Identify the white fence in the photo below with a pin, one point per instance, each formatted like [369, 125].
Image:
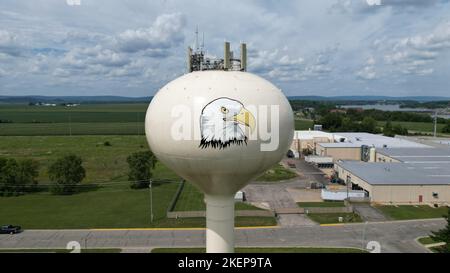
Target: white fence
[341, 194]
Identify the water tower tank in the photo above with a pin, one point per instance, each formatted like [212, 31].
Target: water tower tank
[219, 130]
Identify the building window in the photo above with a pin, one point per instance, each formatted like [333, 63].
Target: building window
[435, 195]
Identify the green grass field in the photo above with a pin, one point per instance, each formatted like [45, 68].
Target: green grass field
[191, 199]
[303, 124]
[109, 207]
[113, 204]
[332, 218]
[415, 126]
[277, 173]
[427, 241]
[102, 163]
[407, 212]
[326, 204]
[88, 119]
[266, 250]
[71, 129]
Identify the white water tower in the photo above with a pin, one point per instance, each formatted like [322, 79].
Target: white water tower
[210, 127]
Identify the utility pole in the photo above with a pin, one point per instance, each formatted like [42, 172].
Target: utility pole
[137, 122]
[435, 123]
[151, 201]
[347, 184]
[70, 123]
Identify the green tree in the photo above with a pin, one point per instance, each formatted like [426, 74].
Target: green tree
[369, 125]
[17, 176]
[446, 128]
[387, 130]
[140, 166]
[8, 176]
[66, 173]
[400, 130]
[331, 121]
[443, 235]
[28, 172]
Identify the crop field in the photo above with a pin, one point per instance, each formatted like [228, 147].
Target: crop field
[89, 119]
[85, 119]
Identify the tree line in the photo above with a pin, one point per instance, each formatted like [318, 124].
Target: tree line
[66, 173]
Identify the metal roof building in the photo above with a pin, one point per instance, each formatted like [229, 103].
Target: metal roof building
[398, 173]
[414, 155]
[377, 141]
[398, 183]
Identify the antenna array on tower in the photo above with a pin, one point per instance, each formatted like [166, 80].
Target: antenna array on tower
[197, 60]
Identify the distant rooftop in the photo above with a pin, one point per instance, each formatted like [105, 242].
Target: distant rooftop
[377, 141]
[340, 145]
[418, 155]
[311, 134]
[377, 173]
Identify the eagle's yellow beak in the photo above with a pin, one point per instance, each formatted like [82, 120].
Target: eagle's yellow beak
[246, 118]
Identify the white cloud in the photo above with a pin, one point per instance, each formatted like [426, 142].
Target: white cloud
[2, 73]
[109, 46]
[9, 43]
[164, 33]
[412, 55]
[368, 71]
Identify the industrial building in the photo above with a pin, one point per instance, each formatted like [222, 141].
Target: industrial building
[398, 183]
[345, 146]
[389, 170]
[414, 155]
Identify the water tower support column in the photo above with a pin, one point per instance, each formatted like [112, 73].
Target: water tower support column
[219, 224]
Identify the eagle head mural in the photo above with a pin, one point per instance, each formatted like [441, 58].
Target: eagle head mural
[222, 122]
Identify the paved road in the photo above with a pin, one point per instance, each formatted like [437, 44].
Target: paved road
[368, 212]
[276, 196]
[393, 236]
[310, 172]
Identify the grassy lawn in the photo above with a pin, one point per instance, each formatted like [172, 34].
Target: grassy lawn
[109, 207]
[303, 124]
[191, 199]
[427, 241]
[113, 204]
[277, 173]
[73, 128]
[326, 204]
[332, 218]
[265, 250]
[415, 126]
[43, 250]
[102, 163]
[406, 212]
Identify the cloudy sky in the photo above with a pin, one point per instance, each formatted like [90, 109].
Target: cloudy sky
[308, 47]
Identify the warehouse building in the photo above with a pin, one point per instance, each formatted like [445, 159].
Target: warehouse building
[356, 146]
[307, 140]
[414, 155]
[398, 183]
[344, 145]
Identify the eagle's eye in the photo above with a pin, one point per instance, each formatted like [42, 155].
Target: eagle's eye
[224, 110]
